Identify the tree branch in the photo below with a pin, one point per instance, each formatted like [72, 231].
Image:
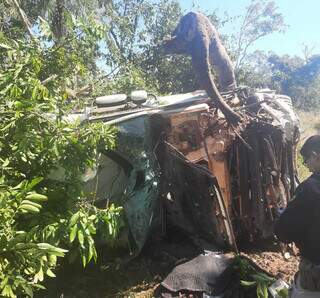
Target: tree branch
[23, 17]
[114, 37]
[249, 43]
[49, 79]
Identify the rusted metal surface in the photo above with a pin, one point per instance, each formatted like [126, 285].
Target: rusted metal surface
[201, 214]
[254, 166]
[190, 134]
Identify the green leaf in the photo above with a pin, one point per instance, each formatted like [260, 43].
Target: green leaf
[47, 246]
[259, 291]
[38, 286]
[23, 246]
[35, 92]
[248, 283]
[37, 197]
[7, 291]
[52, 249]
[84, 260]
[52, 260]
[4, 46]
[6, 163]
[80, 237]
[50, 273]
[262, 277]
[265, 291]
[90, 251]
[73, 233]
[74, 219]
[27, 202]
[111, 229]
[29, 208]
[39, 275]
[17, 72]
[19, 186]
[4, 281]
[34, 182]
[95, 255]
[27, 290]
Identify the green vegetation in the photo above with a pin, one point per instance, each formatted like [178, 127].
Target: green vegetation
[250, 277]
[42, 218]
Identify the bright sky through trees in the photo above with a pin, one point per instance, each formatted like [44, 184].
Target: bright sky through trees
[302, 17]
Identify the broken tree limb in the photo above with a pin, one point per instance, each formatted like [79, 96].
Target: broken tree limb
[49, 79]
[23, 18]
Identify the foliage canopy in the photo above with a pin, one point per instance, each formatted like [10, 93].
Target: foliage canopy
[39, 214]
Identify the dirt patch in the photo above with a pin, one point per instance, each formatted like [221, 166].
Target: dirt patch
[276, 264]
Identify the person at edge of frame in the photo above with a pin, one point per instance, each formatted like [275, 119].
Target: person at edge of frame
[300, 223]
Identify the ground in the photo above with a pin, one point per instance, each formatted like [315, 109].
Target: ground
[141, 276]
[276, 264]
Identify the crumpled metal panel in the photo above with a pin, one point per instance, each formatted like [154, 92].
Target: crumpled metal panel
[191, 198]
[142, 190]
[128, 178]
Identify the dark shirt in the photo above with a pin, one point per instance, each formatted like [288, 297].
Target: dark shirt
[300, 222]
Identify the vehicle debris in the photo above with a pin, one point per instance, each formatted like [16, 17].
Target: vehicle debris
[166, 147]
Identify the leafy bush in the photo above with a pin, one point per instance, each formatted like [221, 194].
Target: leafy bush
[42, 219]
[250, 276]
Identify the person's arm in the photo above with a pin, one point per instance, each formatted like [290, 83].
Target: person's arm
[295, 220]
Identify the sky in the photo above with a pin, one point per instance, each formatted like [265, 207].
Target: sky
[302, 17]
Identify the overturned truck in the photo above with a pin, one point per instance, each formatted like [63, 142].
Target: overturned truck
[216, 164]
[179, 163]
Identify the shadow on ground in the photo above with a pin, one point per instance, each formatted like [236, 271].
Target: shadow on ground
[113, 277]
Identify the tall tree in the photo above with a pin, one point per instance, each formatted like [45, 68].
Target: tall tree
[260, 19]
[298, 78]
